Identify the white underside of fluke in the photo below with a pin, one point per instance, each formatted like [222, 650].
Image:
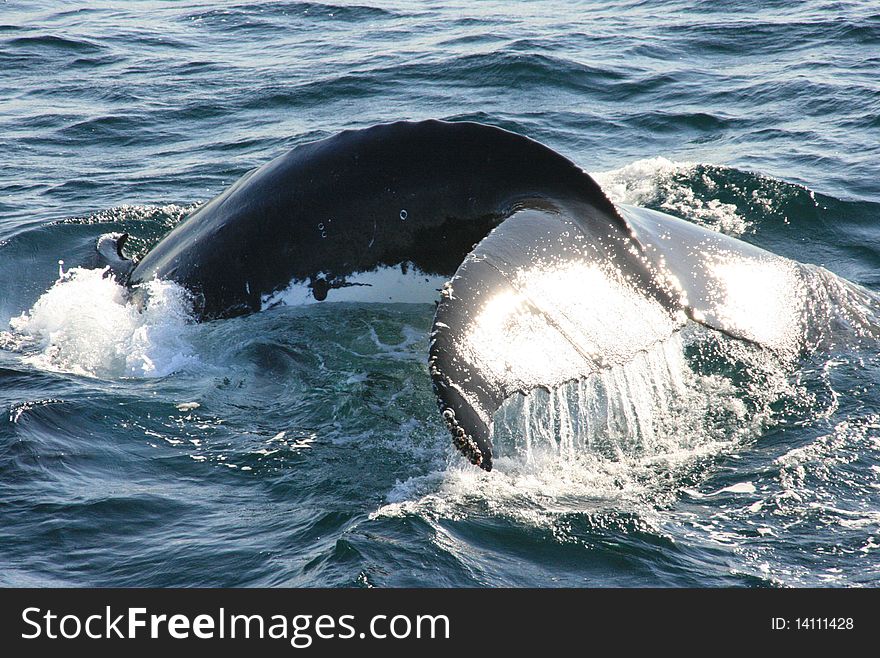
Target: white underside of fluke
[382, 285]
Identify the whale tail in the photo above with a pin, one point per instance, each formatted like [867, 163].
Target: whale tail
[559, 292]
[109, 248]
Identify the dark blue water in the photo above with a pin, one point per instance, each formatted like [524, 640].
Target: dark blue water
[302, 446]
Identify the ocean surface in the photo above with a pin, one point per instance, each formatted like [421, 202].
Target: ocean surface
[302, 446]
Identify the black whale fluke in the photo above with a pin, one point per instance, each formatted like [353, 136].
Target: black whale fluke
[417, 193]
[549, 282]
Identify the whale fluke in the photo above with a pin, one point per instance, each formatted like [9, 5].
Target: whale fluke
[415, 194]
[558, 293]
[550, 281]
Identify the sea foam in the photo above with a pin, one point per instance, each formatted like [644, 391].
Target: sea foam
[87, 324]
[667, 185]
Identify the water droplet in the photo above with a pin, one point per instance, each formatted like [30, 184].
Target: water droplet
[403, 215]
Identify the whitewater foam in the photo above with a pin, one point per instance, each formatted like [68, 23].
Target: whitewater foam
[86, 324]
[665, 184]
[168, 215]
[626, 439]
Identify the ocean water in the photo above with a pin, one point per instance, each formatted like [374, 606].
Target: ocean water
[302, 446]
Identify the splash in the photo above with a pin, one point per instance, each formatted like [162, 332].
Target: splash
[652, 406]
[86, 324]
[668, 186]
[626, 439]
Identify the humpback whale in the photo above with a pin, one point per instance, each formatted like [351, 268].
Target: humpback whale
[546, 280]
